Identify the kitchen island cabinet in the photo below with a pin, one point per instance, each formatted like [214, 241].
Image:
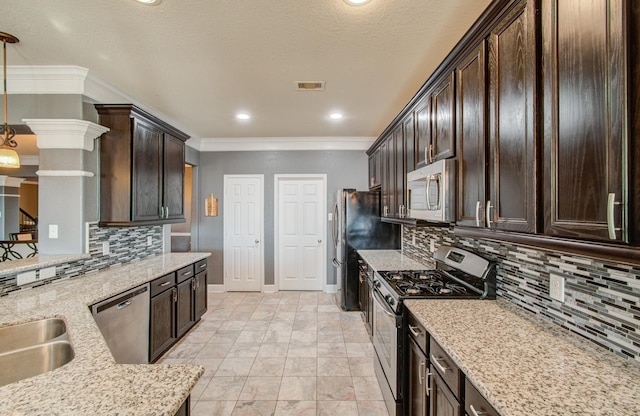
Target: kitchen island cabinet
[525, 366]
[93, 383]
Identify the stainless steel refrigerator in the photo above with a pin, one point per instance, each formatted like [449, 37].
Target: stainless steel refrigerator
[357, 226]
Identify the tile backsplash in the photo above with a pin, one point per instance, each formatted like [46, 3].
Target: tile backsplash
[125, 245]
[602, 299]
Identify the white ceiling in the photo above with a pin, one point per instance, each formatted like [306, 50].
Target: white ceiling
[199, 62]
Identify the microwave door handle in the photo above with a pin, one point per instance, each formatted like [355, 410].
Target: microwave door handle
[429, 180]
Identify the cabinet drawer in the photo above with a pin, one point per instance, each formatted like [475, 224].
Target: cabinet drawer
[185, 273]
[418, 333]
[445, 366]
[163, 283]
[201, 266]
[473, 398]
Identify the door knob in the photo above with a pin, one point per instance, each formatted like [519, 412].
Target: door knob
[319, 241]
[257, 241]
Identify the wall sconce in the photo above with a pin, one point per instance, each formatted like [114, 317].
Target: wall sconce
[211, 206]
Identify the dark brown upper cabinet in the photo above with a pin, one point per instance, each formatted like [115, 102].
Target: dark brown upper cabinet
[141, 168]
[410, 154]
[513, 143]
[584, 52]
[470, 116]
[443, 120]
[375, 166]
[422, 117]
[384, 174]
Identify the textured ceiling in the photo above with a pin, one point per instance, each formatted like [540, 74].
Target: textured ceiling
[201, 61]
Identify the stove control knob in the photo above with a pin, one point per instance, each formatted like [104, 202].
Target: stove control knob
[389, 300]
[376, 283]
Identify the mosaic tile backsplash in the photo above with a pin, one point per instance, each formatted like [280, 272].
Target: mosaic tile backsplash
[602, 300]
[125, 245]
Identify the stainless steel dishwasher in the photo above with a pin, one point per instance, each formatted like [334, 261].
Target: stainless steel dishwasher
[124, 323]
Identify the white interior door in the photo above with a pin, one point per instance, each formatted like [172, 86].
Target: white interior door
[243, 229]
[300, 232]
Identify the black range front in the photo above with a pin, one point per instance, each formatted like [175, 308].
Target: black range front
[459, 274]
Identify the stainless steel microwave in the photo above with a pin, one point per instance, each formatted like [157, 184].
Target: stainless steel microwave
[431, 192]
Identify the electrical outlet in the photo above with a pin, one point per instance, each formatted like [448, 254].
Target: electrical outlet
[26, 278]
[48, 272]
[105, 247]
[149, 241]
[413, 238]
[432, 246]
[556, 287]
[53, 231]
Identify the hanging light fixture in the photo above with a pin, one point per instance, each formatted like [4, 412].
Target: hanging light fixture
[8, 156]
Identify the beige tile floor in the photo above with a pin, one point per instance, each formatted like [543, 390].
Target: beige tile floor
[285, 353]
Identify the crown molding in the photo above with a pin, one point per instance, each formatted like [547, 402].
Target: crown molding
[280, 143]
[71, 79]
[65, 133]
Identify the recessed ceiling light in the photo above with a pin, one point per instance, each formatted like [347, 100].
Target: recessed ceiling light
[335, 116]
[150, 2]
[356, 2]
[243, 116]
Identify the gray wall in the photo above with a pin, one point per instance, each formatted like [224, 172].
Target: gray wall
[46, 106]
[344, 169]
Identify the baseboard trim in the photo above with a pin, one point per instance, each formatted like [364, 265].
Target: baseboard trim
[331, 289]
[215, 288]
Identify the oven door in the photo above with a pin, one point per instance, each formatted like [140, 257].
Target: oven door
[385, 340]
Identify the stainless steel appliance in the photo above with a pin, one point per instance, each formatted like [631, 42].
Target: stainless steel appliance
[431, 191]
[459, 274]
[124, 323]
[357, 226]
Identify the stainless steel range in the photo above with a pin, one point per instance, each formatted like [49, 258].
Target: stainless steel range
[459, 274]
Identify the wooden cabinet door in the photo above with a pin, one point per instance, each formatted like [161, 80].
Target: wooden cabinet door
[200, 295]
[372, 171]
[410, 155]
[417, 381]
[399, 171]
[443, 402]
[422, 116]
[162, 323]
[146, 171]
[384, 174]
[513, 144]
[185, 307]
[470, 115]
[584, 46]
[443, 119]
[173, 185]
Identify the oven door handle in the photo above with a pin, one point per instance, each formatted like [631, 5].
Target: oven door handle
[383, 305]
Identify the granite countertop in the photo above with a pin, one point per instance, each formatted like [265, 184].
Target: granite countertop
[92, 383]
[386, 260]
[524, 365]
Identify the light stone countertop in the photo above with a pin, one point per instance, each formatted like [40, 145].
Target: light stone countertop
[389, 260]
[526, 366]
[92, 383]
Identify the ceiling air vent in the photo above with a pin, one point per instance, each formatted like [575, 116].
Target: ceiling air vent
[310, 85]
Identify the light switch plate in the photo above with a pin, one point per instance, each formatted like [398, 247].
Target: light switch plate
[48, 272]
[432, 246]
[26, 278]
[105, 248]
[53, 231]
[556, 287]
[149, 241]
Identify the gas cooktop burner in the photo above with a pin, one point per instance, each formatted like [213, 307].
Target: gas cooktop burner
[431, 287]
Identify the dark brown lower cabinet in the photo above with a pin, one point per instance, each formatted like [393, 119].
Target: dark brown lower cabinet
[200, 295]
[185, 318]
[418, 382]
[185, 409]
[443, 401]
[162, 322]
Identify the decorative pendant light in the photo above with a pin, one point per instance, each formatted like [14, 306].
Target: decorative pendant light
[8, 156]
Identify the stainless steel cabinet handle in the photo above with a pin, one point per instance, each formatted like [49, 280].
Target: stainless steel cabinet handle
[611, 203]
[436, 362]
[488, 214]
[167, 283]
[124, 304]
[421, 371]
[427, 385]
[415, 331]
[474, 412]
[167, 212]
[186, 274]
[477, 213]
[202, 266]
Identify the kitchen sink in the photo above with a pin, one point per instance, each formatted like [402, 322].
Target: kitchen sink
[31, 361]
[33, 348]
[30, 333]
